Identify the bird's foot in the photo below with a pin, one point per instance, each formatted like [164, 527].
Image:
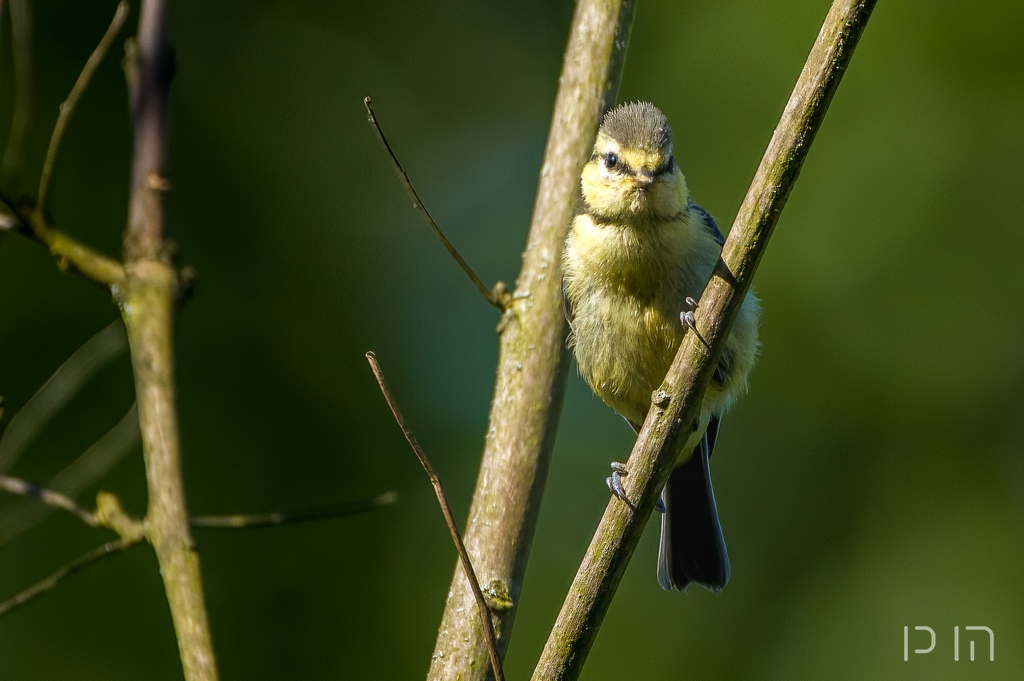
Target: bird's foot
[614, 482]
[689, 321]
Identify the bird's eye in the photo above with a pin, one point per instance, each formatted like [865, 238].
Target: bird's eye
[610, 161]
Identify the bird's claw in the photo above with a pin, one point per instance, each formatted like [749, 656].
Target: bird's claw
[614, 482]
[690, 322]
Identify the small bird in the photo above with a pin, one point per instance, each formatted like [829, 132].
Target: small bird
[637, 255]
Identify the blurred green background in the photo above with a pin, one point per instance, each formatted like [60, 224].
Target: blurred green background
[871, 480]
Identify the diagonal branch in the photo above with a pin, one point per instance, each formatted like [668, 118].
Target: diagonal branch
[449, 519]
[108, 513]
[46, 496]
[70, 253]
[497, 297]
[41, 587]
[533, 362]
[669, 423]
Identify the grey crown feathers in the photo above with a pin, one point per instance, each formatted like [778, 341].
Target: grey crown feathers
[638, 125]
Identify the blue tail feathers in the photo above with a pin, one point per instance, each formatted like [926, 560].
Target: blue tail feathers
[692, 546]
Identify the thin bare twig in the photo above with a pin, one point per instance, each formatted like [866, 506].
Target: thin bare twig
[497, 297]
[55, 499]
[435, 481]
[293, 517]
[47, 496]
[68, 107]
[674, 421]
[30, 220]
[83, 472]
[108, 513]
[21, 118]
[108, 549]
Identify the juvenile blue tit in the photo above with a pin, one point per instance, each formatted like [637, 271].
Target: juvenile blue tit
[638, 252]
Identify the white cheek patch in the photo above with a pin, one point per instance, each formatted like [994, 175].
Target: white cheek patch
[611, 174]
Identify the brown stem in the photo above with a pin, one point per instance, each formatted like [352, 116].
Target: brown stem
[449, 519]
[653, 455]
[497, 297]
[147, 306]
[533, 361]
[149, 71]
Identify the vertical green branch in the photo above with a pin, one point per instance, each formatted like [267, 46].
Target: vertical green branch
[146, 297]
[533, 362]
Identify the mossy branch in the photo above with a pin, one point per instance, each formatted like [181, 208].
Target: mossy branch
[533, 361]
[651, 461]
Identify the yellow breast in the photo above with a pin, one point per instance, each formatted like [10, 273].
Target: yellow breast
[626, 286]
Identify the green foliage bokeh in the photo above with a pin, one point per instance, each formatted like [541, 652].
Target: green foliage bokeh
[871, 480]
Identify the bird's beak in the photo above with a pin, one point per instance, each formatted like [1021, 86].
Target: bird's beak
[644, 180]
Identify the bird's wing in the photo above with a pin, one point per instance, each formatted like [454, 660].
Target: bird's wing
[579, 209]
[709, 223]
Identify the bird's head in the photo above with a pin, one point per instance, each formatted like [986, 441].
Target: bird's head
[632, 173]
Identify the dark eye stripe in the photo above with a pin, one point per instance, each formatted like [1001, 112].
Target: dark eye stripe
[619, 166]
[667, 167]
